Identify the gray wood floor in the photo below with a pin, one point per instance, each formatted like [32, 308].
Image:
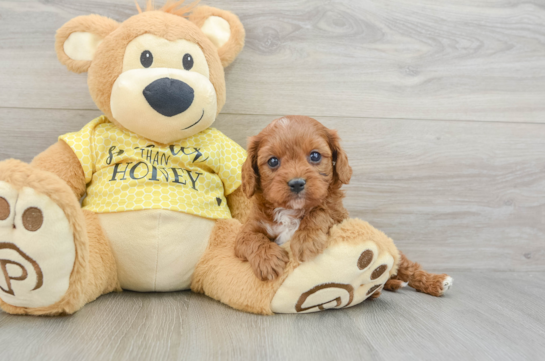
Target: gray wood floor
[490, 315]
[441, 107]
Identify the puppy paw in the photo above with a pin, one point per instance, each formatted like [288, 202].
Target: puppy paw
[305, 247]
[269, 261]
[432, 284]
[447, 284]
[394, 285]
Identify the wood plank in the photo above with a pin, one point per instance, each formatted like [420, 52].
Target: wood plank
[489, 315]
[425, 59]
[453, 195]
[24, 133]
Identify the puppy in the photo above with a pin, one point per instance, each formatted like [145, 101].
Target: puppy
[294, 172]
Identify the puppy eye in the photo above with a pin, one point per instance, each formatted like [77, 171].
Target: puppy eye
[187, 61]
[273, 162]
[315, 157]
[146, 58]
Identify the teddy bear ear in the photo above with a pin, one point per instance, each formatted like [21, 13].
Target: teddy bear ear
[77, 40]
[224, 30]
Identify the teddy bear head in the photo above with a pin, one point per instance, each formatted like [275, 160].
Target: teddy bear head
[158, 74]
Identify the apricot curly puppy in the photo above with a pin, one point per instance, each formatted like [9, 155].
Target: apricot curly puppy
[294, 171]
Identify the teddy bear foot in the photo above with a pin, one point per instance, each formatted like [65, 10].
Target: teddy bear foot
[354, 267]
[43, 243]
[37, 250]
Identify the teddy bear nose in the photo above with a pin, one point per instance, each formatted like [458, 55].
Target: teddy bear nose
[297, 185]
[169, 97]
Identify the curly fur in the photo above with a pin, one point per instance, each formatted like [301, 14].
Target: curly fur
[411, 273]
[279, 214]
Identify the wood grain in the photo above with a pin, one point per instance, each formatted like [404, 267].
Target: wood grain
[406, 59]
[453, 195]
[490, 315]
[439, 104]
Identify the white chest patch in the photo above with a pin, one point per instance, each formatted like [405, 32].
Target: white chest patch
[286, 223]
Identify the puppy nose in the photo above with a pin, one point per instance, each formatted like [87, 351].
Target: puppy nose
[297, 185]
[169, 97]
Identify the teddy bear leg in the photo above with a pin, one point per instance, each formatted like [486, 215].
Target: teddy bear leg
[411, 273]
[357, 262]
[102, 269]
[224, 277]
[54, 257]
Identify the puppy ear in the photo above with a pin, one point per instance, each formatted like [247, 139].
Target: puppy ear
[78, 39]
[224, 30]
[250, 171]
[341, 169]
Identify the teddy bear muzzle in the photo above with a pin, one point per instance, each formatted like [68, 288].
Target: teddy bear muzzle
[163, 104]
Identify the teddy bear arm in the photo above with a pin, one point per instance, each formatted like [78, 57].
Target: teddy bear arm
[239, 205]
[60, 160]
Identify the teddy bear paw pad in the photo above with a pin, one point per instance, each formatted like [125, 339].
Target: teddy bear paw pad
[344, 275]
[37, 250]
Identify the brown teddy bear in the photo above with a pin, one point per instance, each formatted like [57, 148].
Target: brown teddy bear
[161, 185]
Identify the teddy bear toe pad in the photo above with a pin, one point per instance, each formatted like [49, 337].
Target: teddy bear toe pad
[342, 276]
[37, 250]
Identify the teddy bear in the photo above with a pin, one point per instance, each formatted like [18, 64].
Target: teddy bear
[162, 203]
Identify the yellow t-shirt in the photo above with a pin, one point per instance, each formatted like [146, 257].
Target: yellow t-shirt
[125, 172]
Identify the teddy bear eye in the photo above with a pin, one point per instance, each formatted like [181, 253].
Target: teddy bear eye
[187, 61]
[273, 162]
[146, 58]
[315, 157]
